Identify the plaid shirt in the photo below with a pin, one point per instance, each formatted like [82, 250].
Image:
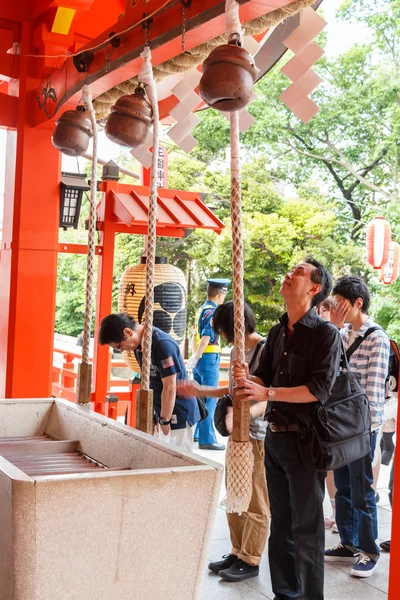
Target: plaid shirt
[371, 362]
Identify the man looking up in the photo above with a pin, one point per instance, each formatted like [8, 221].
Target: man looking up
[176, 416]
[356, 512]
[297, 369]
[206, 358]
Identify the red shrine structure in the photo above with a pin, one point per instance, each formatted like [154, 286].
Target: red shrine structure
[49, 49]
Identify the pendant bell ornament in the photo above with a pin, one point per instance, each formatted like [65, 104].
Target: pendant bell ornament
[229, 74]
[130, 120]
[73, 132]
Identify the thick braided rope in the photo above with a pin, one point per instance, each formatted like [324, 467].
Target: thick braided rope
[146, 76]
[237, 241]
[239, 456]
[194, 57]
[87, 96]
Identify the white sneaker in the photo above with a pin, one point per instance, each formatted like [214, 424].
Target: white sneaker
[364, 566]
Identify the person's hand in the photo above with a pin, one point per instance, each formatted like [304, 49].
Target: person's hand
[188, 388]
[191, 363]
[165, 429]
[229, 419]
[239, 370]
[338, 316]
[251, 391]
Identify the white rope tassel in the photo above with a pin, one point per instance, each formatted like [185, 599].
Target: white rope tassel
[146, 76]
[87, 97]
[232, 20]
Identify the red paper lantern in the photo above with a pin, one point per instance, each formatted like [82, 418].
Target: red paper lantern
[378, 242]
[390, 271]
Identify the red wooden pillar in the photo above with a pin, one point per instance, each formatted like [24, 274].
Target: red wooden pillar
[28, 261]
[104, 285]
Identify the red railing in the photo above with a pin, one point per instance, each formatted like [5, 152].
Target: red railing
[121, 394]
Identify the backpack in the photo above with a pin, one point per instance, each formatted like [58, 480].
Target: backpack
[392, 377]
[340, 429]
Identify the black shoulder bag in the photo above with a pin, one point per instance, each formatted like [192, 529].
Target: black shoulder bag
[340, 429]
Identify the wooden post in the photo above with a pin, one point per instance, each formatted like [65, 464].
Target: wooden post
[84, 383]
[241, 419]
[144, 411]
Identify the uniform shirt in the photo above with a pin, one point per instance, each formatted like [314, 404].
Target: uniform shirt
[166, 360]
[370, 362]
[205, 322]
[258, 425]
[310, 357]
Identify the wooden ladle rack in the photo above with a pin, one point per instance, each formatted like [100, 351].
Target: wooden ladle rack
[42, 455]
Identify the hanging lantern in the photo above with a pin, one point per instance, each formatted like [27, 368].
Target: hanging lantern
[229, 74]
[73, 132]
[378, 242]
[390, 271]
[169, 300]
[130, 120]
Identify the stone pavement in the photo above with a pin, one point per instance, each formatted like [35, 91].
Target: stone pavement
[339, 585]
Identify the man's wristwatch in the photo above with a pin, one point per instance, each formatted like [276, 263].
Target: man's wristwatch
[164, 421]
[271, 393]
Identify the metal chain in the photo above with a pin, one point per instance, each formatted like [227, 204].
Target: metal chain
[184, 22]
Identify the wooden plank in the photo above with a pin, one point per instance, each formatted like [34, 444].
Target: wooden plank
[29, 448]
[25, 438]
[241, 419]
[144, 411]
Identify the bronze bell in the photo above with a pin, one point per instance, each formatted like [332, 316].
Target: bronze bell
[73, 132]
[130, 120]
[229, 73]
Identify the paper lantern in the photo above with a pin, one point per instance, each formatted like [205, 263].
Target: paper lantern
[170, 301]
[378, 242]
[390, 271]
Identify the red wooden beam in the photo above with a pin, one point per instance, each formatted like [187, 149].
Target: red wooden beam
[8, 111]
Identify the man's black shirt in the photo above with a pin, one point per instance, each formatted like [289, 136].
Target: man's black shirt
[310, 357]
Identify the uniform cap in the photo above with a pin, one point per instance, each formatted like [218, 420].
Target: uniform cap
[219, 283]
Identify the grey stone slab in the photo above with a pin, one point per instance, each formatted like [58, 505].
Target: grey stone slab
[384, 516]
[214, 588]
[221, 529]
[339, 584]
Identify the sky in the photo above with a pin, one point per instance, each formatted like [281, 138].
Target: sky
[340, 37]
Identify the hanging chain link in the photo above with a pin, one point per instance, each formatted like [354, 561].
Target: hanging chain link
[184, 21]
[146, 29]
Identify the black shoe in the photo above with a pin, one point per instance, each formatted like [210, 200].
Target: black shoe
[377, 497]
[239, 571]
[195, 439]
[385, 546]
[228, 560]
[212, 446]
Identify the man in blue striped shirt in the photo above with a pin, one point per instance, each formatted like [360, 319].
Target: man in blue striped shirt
[356, 511]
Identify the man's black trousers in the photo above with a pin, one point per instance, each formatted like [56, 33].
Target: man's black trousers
[297, 539]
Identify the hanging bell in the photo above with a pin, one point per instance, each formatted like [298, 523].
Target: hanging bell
[73, 132]
[130, 120]
[229, 73]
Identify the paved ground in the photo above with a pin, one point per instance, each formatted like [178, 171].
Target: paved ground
[338, 583]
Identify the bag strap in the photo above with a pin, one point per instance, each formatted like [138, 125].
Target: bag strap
[350, 351]
[256, 352]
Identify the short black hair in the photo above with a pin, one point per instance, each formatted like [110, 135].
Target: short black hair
[212, 291]
[111, 330]
[319, 275]
[223, 320]
[351, 288]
